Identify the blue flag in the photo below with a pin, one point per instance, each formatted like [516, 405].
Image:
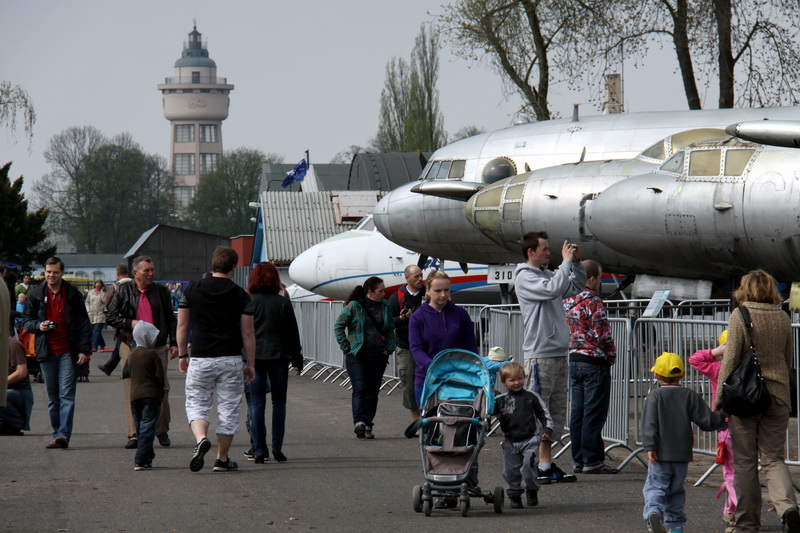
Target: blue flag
[296, 174]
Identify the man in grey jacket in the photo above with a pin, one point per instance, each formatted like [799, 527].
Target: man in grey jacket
[546, 341]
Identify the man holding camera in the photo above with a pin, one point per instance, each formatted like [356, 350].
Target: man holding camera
[405, 301]
[546, 335]
[56, 315]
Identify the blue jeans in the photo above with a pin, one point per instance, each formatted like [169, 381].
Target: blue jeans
[16, 415]
[590, 387]
[145, 412]
[270, 375]
[664, 492]
[366, 374]
[97, 336]
[60, 377]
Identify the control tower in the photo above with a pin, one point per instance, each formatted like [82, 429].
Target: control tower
[195, 102]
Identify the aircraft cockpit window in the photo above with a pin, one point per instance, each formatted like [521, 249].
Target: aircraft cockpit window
[705, 162]
[457, 170]
[656, 151]
[365, 224]
[444, 170]
[736, 161]
[498, 169]
[433, 170]
[424, 174]
[674, 163]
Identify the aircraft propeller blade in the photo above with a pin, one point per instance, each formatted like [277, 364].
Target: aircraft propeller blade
[422, 260]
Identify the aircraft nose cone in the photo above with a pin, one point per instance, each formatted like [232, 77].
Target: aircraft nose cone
[303, 269]
[380, 216]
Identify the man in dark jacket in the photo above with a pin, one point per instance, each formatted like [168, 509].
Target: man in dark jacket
[57, 315]
[126, 309]
[405, 301]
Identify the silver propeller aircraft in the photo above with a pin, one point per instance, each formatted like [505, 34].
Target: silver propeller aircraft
[639, 192]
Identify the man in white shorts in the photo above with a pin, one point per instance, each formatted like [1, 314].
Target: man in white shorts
[546, 337]
[221, 317]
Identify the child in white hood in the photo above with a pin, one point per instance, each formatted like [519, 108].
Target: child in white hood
[147, 391]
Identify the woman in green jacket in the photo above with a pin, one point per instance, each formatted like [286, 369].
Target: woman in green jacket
[366, 346]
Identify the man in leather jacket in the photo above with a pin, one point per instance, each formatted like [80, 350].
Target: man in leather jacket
[125, 310]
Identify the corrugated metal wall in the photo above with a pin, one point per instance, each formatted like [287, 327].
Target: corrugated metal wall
[293, 222]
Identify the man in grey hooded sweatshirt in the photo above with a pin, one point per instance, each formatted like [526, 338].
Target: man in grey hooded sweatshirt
[546, 337]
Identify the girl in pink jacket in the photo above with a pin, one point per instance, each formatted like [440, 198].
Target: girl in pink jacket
[708, 363]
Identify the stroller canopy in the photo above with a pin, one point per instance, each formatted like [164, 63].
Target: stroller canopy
[457, 375]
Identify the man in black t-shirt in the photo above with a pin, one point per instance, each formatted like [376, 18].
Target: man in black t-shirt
[221, 318]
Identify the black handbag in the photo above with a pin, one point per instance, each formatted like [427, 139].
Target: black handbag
[744, 392]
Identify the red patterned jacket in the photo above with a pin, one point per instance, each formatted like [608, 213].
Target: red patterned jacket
[589, 329]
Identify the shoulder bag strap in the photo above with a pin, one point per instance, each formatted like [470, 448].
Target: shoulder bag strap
[748, 325]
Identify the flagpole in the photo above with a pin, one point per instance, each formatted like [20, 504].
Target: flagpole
[308, 159]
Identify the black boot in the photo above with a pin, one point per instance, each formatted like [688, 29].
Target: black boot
[533, 497]
[516, 501]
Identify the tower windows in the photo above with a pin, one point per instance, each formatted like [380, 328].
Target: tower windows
[184, 133]
[195, 77]
[208, 163]
[208, 133]
[184, 196]
[184, 165]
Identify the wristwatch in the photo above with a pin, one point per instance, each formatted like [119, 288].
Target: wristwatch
[184, 356]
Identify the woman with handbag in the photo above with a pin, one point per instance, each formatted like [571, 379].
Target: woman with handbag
[762, 435]
[365, 333]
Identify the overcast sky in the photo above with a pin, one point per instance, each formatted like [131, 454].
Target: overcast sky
[307, 74]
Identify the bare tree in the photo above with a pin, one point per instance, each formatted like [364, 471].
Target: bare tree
[103, 194]
[410, 118]
[467, 131]
[14, 100]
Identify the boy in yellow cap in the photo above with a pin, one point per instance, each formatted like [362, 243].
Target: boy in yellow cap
[667, 437]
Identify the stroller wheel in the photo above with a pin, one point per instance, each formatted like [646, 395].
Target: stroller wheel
[464, 507]
[416, 498]
[497, 499]
[427, 507]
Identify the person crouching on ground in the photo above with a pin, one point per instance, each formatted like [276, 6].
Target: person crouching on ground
[519, 410]
[667, 437]
[147, 391]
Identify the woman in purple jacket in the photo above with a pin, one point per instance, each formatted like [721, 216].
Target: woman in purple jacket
[437, 325]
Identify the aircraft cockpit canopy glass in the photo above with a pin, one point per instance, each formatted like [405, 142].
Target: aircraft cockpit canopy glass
[656, 151]
[736, 161]
[444, 170]
[674, 164]
[705, 162]
[498, 169]
[365, 224]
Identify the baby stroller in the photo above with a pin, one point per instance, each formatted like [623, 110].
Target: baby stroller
[456, 405]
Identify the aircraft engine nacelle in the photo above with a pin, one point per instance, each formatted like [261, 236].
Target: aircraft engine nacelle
[433, 226]
[727, 208]
[555, 200]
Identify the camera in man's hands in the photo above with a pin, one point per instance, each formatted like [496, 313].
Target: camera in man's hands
[50, 324]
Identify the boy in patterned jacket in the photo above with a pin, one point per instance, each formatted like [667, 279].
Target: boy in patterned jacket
[591, 354]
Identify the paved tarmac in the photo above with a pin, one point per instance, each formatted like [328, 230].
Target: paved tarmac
[331, 482]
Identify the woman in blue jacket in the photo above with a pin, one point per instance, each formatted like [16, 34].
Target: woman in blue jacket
[366, 346]
[437, 325]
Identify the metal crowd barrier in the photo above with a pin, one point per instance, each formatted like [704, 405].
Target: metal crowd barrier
[681, 329]
[322, 354]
